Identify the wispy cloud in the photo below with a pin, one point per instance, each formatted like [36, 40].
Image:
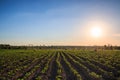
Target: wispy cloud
[116, 35]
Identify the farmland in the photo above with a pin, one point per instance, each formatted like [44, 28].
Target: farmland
[59, 64]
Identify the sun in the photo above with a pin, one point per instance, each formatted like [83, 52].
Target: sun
[96, 31]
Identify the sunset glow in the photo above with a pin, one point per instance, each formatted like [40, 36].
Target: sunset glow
[96, 32]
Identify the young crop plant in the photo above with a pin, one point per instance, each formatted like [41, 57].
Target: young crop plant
[75, 73]
[38, 78]
[45, 69]
[59, 68]
[59, 64]
[80, 67]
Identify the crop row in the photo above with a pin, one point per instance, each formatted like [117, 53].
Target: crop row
[56, 65]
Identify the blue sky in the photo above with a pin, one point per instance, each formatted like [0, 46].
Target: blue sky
[58, 22]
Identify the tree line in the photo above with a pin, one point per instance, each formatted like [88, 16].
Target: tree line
[105, 47]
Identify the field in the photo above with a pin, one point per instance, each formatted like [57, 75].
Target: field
[56, 64]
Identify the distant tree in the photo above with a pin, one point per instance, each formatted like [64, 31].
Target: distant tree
[105, 46]
[111, 47]
[5, 46]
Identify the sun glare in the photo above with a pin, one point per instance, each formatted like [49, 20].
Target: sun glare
[96, 31]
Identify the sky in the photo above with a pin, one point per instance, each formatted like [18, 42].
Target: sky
[59, 22]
